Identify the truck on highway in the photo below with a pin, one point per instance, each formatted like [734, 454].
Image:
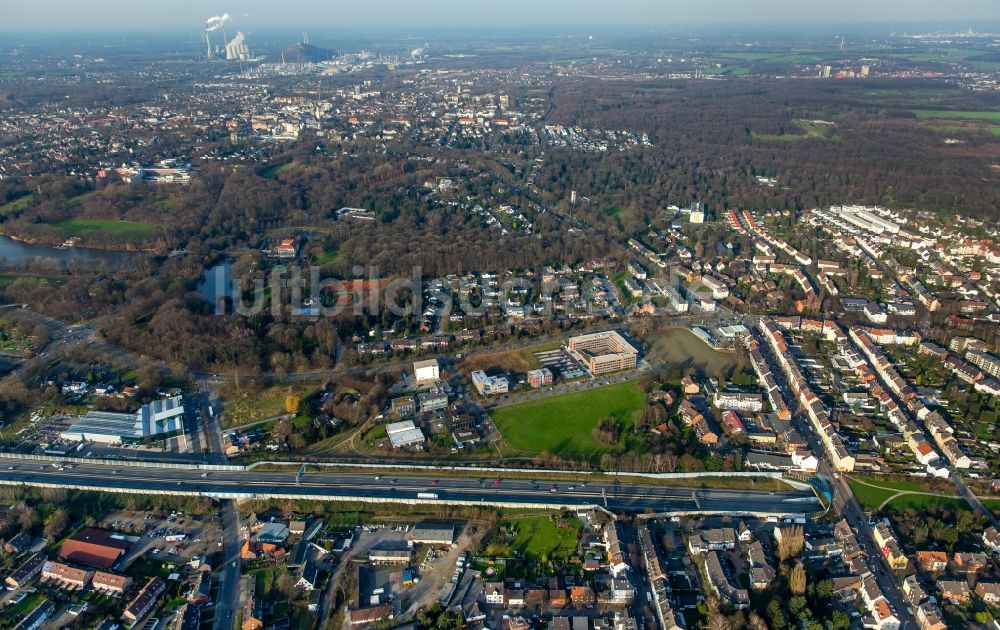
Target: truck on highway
[427, 495]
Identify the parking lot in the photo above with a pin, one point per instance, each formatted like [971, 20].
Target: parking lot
[169, 537]
[561, 364]
[43, 432]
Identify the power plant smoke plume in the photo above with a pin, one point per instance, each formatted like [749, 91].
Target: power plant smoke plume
[216, 22]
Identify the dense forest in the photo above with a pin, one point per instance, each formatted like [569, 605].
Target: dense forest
[713, 137]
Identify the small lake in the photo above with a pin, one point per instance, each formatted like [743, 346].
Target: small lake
[217, 282]
[17, 251]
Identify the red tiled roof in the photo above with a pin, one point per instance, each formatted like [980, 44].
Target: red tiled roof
[93, 547]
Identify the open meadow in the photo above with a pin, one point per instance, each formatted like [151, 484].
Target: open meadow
[562, 424]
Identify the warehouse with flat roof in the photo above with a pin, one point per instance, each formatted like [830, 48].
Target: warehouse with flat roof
[158, 419]
[404, 433]
[433, 534]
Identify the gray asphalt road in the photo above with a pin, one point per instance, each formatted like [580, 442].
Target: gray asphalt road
[229, 587]
[625, 496]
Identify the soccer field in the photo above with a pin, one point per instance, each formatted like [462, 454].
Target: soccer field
[562, 424]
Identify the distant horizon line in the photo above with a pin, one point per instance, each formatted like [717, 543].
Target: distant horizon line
[603, 27]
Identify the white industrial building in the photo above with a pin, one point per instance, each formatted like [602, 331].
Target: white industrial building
[426, 371]
[158, 419]
[404, 433]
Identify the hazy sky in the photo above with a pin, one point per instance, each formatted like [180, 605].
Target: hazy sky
[261, 14]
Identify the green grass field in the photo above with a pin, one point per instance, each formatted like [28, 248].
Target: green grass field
[542, 538]
[562, 424]
[929, 114]
[76, 201]
[17, 205]
[871, 498]
[682, 349]
[272, 172]
[8, 278]
[124, 229]
[328, 257]
[921, 502]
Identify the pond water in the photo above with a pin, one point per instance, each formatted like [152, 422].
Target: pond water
[217, 282]
[18, 251]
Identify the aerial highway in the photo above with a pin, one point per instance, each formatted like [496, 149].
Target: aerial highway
[623, 496]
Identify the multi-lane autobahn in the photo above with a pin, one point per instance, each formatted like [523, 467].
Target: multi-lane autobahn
[623, 495]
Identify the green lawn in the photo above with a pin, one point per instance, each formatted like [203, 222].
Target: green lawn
[921, 502]
[542, 538]
[126, 229]
[563, 424]
[927, 114]
[78, 200]
[871, 498]
[328, 257]
[619, 280]
[28, 604]
[265, 579]
[272, 172]
[17, 205]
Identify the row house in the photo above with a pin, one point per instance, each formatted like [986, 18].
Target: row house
[26, 572]
[912, 591]
[617, 555]
[146, 600]
[929, 617]
[718, 580]
[66, 576]
[877, 605]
